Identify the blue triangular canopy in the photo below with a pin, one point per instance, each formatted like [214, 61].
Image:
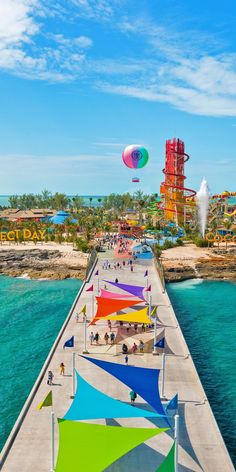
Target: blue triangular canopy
[140, 379]
[90, 403]
[172, 404]
[136, 290]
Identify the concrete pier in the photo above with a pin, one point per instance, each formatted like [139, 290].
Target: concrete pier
[201, 445]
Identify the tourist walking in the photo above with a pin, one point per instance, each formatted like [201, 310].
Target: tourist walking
[62, 368]
[96, 337]
[143, 328]
[106, 337]
[124, 348]
[112, 336]
[135, 327]
[134, 348]
[133, 397]
[91, 338]
[116, 281]
[131, 268]
[50, 377]
[126, 359]
[141, 345]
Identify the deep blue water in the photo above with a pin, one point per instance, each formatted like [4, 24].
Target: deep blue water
[206, 311]
[32, 313]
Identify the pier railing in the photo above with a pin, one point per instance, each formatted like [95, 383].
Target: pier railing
[92, 260]
[26, 406]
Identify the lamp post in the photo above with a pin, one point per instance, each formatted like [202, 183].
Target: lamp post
[73, 374]
[176, 441]
[163, 375]
[52, 441]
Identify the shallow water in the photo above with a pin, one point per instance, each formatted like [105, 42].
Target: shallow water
[206, 311]
[32, 313]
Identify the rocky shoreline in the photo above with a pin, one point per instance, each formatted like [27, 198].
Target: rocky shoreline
[42, 264]
[212, 266]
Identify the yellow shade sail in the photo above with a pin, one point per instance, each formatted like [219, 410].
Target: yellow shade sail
[140, 316]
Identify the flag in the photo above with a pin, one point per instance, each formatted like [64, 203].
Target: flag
[160, 343]
[173, 403]
[69, 342]
[83, 310]
[146, 273]
[46, 402]
[154, 311]
[90, 289]
[97, 272]
[148, 289]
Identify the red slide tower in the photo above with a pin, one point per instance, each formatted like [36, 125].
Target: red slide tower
[173, 190]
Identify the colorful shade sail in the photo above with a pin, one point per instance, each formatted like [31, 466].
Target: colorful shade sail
[106, 294]
[140, 379]
[93, 447]
[173, 403]
[90, 403]
[46, 402]
[168, 465]
[140, 316]
[107, 306]
[135, 290]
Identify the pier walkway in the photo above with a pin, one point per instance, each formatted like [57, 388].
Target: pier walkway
[201, 447]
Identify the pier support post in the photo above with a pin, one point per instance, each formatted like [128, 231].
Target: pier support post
[176, 441]
[163, 375]
[85, 351]
[73, 374]
[52, 442]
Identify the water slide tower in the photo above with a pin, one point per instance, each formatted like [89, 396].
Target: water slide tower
[176, 196]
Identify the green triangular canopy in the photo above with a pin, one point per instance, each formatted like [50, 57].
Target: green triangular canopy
[77, 441]
[168, 465]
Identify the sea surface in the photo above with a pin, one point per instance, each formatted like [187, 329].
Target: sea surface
[89, 200]
[32, 313]
[206, 311]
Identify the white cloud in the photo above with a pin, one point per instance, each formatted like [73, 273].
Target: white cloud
[95, 9]
[21, 26]
[171, 67]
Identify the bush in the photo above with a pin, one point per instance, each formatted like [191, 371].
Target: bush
[82, 245]
[201, 242]
[179, 242]
[168, 244]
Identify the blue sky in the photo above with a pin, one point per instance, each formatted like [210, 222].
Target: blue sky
[81, 79]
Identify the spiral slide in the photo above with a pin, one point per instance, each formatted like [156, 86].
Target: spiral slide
[174, 179]
[232, 213]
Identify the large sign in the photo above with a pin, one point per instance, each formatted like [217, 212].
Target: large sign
[218, 238]
[24, 234]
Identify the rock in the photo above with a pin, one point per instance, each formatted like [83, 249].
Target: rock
[39, 263]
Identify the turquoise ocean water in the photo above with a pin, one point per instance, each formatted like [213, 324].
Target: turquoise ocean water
[206, 311]
[32, 313]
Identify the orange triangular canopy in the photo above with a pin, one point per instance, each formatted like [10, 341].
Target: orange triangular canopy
[106, 306]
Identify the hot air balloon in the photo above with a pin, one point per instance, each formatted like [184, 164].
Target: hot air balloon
[135, 156]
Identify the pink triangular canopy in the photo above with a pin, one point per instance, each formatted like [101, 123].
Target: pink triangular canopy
[106, 294]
